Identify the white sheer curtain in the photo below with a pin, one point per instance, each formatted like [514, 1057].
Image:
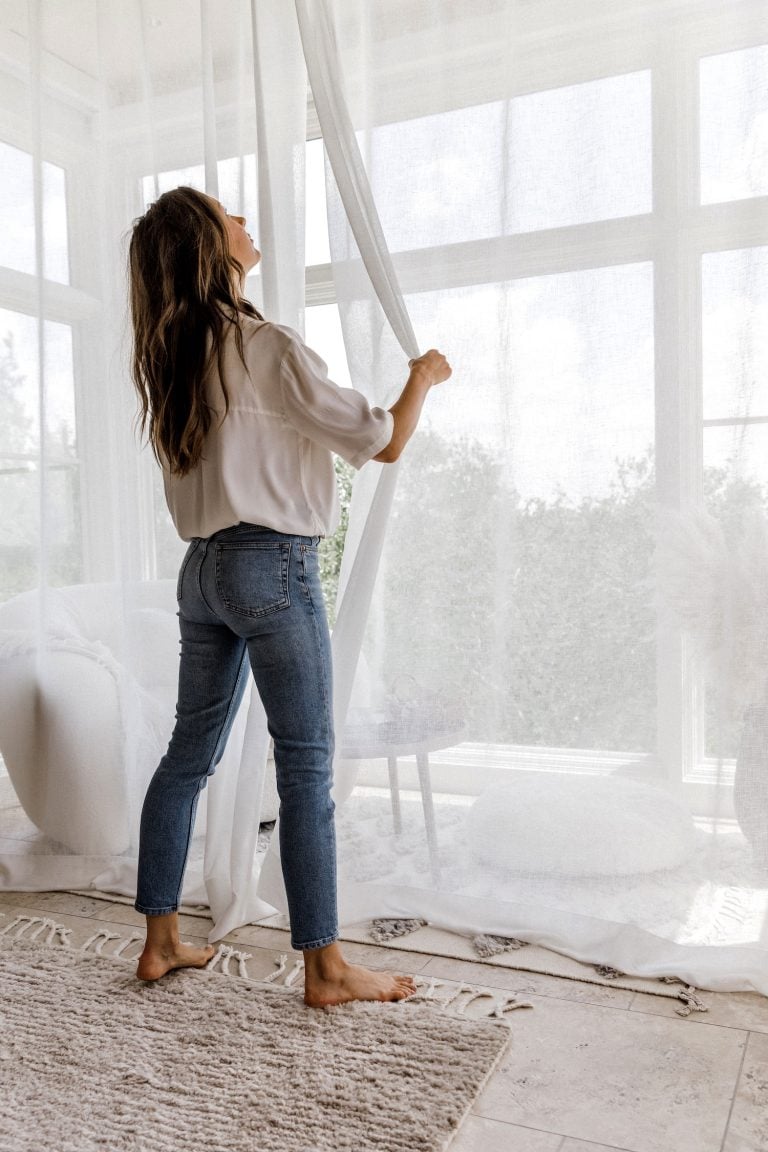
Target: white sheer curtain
[104, 106]
[570, 575]
[557, 597]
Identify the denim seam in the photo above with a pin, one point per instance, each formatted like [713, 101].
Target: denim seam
[180, 580]
[200, 579]
[243, 662]
[323, 941]
[326, 701]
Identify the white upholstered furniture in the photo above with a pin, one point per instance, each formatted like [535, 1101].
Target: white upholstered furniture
[88, 678]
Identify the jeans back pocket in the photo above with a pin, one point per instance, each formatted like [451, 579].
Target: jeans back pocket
[252, 576]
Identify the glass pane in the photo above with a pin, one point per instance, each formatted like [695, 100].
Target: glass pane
[735, 333]
[317, 249]
[17, 207]
[322, 328]
[238, 192]
[238, 189]
[731, 577]
[536, 457]
[20, 496]
[544, 160]
[734, 125]
[20, 383]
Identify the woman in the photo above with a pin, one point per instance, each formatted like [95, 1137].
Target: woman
[243, 420]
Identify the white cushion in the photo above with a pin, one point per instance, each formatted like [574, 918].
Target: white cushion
[614, 826]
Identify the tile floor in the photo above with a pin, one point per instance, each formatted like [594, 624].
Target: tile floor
[589, 1069]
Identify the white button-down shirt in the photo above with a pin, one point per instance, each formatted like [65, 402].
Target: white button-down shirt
[269, 460]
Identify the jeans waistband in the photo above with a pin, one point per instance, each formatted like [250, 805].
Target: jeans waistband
[244, 528]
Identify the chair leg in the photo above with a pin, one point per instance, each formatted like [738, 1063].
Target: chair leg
[422, 763]
[394, 792]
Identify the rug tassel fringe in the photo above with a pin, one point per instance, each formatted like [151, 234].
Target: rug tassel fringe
[126, 943]
[509, 1004]
[692, 1002]
[22, 923]
[295, 972]
[99, 939]
[473, 995]
[226, 953]
[281, 961]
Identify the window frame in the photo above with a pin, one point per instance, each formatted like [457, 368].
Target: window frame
[673, 238]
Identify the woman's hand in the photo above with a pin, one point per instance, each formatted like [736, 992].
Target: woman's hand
[433, 364]
[431, 368]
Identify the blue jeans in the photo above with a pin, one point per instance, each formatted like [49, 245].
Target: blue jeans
[250, 595]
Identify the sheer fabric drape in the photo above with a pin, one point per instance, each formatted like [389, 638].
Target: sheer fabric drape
[105, 106]
[556, 599]
[567, 579]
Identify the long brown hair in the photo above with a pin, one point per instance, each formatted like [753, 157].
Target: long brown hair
[183, 285]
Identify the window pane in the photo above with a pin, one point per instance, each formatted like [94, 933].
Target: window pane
[238, 192]
[17, 207]
[544, 160]
[20, 495]
[563, 386]
[322, 328]
[735, 333]
[539, 444]
[316, 218]
[731, 581]
[734, 125]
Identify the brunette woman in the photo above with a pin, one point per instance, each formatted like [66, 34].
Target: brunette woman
[243, 420]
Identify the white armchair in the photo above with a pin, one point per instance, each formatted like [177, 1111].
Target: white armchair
[86, 714]
[77, 706]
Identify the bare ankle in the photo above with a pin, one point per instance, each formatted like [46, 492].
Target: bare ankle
[163, 932]
[326, 962]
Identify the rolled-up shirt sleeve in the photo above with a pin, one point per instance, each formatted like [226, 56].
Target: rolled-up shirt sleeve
[341, 419]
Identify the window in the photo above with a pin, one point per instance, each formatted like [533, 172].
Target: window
[17, 205]
[238, 192]
[39, 429]
[631, 125]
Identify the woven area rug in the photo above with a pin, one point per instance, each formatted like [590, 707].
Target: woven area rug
[91, 1058]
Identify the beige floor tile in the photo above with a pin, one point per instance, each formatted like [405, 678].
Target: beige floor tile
[748, 1127]
[65, 902]
[529, 983]
[480, 1135]
[262, 937]
[374, 956]
[126, 915]
[747, 1010]
[569, 1145]
[623, 1079]
[28, 898]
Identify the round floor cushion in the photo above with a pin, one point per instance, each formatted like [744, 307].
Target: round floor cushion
[559, 824]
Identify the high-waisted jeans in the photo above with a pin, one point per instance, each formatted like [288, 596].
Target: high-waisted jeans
[249, 595]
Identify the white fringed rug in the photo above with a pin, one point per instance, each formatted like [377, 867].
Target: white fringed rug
[91, 1058]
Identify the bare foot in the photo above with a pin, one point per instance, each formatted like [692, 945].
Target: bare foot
[154, 962]
[353, 982]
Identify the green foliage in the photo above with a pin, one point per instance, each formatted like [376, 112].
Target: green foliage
[332, 548]
[537, 616]
[580, 634]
